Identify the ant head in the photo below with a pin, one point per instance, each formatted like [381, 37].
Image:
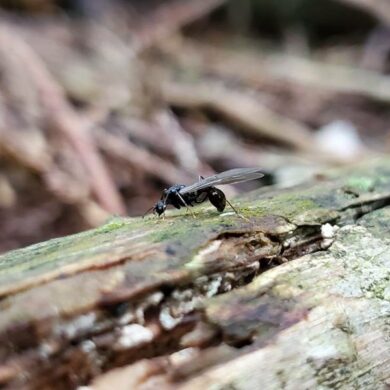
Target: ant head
[159, 207]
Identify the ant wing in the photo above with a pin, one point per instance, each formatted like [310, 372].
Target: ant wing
[228, 177]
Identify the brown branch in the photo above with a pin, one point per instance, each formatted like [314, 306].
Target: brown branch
[183, 146]
[260, 68]
[143, 160]
[168, 18]
[60, 115]
[242, 110]
[164, 127]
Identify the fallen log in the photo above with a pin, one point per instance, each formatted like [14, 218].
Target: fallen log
[295, 295]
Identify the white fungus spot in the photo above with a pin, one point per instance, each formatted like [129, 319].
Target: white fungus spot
[328, 231]
[134, 335]
[167, 321]
[46, 350]
[183, 356]
[88, 346]
[227, 213]
[155, 298]
[214, 246]
[126, 318]
[200, 257]
[77, 326]
[213, 287]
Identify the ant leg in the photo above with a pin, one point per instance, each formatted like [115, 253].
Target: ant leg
[235, 210]
[185, 204]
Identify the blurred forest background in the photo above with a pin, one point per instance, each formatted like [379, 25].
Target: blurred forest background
[104, 103]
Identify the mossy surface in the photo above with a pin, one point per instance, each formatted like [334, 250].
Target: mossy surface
[378, 222]
[119, 238]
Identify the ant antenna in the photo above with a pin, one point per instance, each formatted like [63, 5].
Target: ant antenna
[147, 212]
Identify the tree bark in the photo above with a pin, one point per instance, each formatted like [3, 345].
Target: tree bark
[293, 296]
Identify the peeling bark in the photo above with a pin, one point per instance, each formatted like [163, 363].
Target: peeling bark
[296, 296]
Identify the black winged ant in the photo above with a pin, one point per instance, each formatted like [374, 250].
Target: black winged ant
[180, 195]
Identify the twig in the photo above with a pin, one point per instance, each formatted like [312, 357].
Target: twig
[259, 68]
[173, 141]
[243, 110]
[59, 114]
[146, 133]
[168, 18]
[182, 142]
[147, 162]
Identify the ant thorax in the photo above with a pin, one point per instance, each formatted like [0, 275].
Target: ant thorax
[172, 196]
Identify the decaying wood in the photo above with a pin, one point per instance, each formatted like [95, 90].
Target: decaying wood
[294, 296]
